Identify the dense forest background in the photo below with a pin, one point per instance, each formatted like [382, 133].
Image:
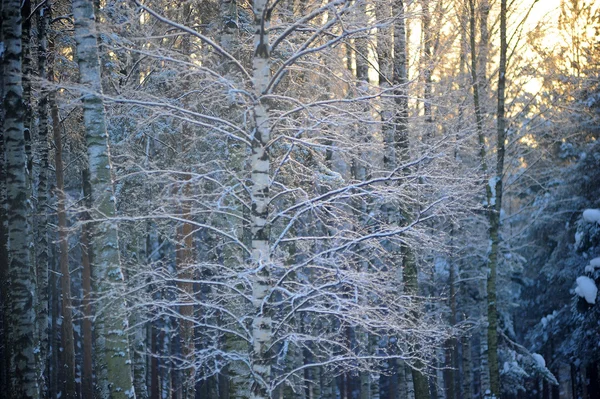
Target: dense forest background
[300, 199]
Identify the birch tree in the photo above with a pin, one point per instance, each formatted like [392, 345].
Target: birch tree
[298, 284]
[113, 368]
[260, 250]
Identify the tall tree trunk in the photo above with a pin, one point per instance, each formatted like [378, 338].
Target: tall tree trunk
[185, 274]
[113, 368]
[260, 182]
[21, 268]
[386, 37]
[67, 364]
[476, 69]
[401, 149]
[360, 172]
[4, 273]
[185, 257]
[495, 214]
[43, 249]
[28, 124]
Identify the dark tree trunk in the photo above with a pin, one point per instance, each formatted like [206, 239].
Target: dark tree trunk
[24, 370]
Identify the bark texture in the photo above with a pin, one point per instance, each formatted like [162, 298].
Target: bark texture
[42, 247]
[24, 372]
[112, 359]
[260, 248]
[67, 363]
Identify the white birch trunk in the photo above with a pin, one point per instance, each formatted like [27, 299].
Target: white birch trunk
[113, 365]
[260, 256]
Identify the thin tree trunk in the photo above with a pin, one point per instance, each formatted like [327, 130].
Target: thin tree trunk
[43, 249]
[113, 368]
[451, 345]
[400, 80]
[386, 39]
[185, 268]
[185, 273]
[476, 82]
[21, 269]
[495, 214]
[54, 389]
[360, 173]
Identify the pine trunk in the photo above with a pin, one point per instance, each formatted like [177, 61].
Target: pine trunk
[67, 364]
[185, 274]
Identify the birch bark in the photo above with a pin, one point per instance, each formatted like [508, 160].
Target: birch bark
[260, 257]
[112, 366]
